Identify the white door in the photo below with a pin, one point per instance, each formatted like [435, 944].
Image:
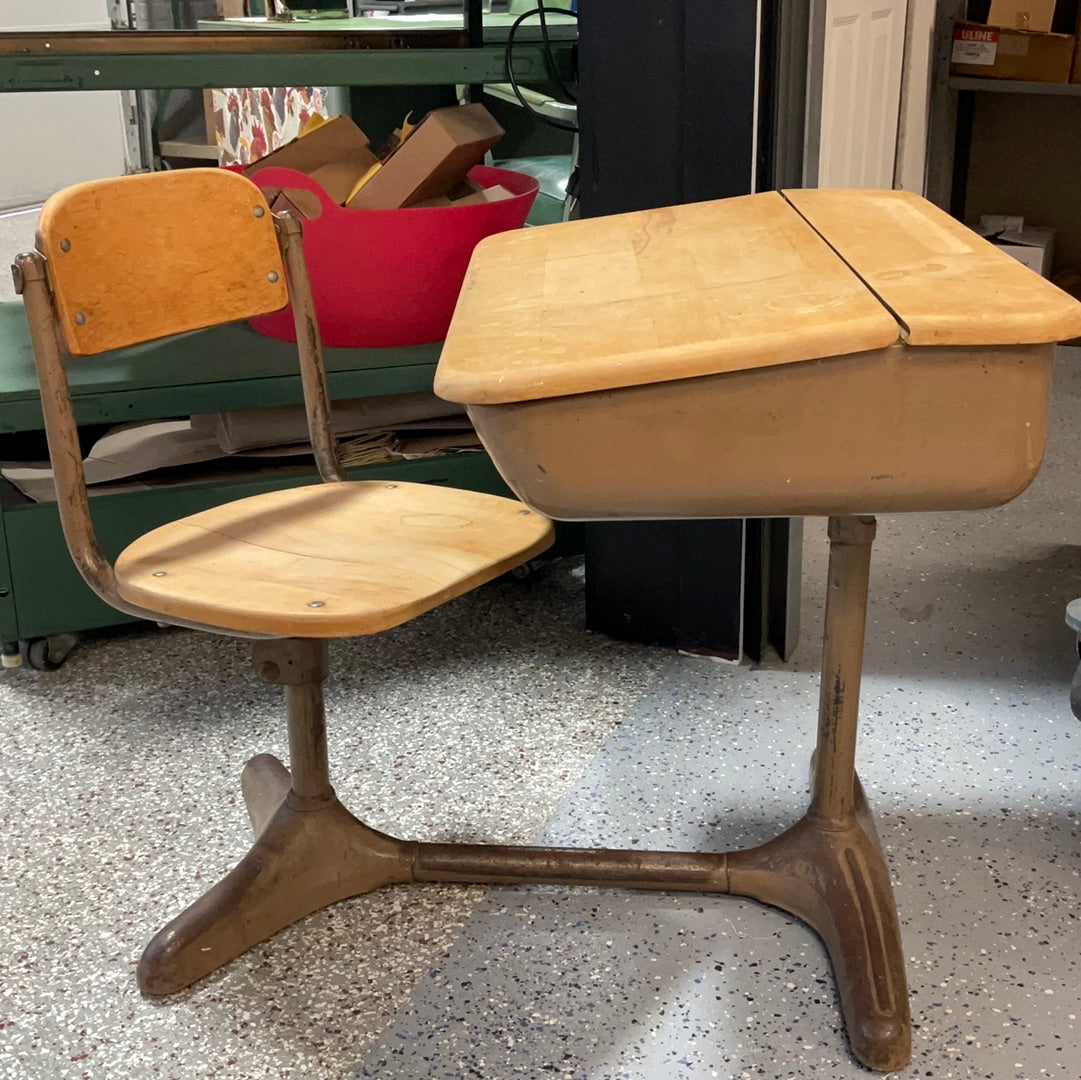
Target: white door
[856, 61]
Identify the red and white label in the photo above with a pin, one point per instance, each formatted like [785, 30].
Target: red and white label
[975, 45]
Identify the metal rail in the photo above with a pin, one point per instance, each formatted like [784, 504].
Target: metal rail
[137, 42]
[153, 60]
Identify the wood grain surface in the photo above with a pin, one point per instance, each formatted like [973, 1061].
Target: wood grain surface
[333, 560]
[136, 258]
[946, 284]
[652, 296]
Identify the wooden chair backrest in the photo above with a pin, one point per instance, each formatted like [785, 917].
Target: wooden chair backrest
[132, 259]
[136, 258]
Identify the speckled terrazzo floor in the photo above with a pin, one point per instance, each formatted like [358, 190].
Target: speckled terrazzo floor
[499, 719]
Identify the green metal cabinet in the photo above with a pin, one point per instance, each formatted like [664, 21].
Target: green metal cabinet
[228, 367]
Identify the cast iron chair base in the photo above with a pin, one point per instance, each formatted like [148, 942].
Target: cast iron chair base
[827, 869]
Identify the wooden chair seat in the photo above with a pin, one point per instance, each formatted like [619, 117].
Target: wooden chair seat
[331, 560]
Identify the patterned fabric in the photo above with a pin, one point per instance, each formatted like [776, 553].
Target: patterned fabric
[249, 123]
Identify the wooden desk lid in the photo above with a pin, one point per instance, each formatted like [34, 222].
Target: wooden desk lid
[945, 284]
[649, 297]
[729, 285]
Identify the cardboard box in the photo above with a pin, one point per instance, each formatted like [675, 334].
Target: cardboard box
[996, 53]
[335, 155]
[1028, 244]
[1035, 15]
[231, 9]
[475, 198]
[297, 201]
[433, 161]
[1033, 247]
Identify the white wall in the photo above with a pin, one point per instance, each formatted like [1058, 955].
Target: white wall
[55, 139]
[49, 14]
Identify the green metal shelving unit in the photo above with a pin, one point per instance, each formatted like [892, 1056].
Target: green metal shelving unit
[342, 52]
[228, 367]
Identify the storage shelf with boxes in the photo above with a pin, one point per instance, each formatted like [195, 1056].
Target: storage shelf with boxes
[1023, 40]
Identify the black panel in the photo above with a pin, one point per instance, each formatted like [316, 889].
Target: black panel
[667, 583]
[630, 95]
[666, 102]
[719, 98]
[756, 569]
[666, 113]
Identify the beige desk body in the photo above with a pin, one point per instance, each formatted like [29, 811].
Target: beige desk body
[816, 353]
[896, 429]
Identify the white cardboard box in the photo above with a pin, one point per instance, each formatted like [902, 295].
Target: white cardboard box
[1035, 247]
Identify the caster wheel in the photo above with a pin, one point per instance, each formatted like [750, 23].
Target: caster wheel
[528, 571]
[1073, 621]
[49, 653]
[1075, 693]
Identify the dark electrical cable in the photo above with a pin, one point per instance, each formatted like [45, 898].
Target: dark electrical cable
[541, 12]
[568, 92]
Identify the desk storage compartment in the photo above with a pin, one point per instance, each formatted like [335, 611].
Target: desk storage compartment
[894, 430]
[775, 355]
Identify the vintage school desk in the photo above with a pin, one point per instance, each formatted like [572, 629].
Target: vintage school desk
[832, 353]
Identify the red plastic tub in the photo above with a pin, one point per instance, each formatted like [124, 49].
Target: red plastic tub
[391, 277]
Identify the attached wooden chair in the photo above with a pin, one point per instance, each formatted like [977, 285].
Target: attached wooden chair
[129, 260]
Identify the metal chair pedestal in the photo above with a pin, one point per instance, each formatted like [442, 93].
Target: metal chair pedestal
[827, 869]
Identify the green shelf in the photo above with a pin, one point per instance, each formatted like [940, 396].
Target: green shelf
[216, 370]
